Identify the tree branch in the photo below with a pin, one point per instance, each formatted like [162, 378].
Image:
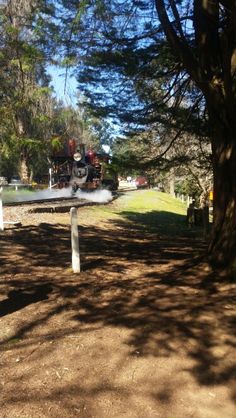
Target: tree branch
[180, 46]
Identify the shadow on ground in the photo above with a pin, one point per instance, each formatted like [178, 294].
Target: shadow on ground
[154, 285]
[20, 298]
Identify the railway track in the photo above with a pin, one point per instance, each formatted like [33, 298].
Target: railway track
[55, 200]
[56, 204]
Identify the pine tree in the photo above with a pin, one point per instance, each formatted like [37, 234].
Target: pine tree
[127, 41]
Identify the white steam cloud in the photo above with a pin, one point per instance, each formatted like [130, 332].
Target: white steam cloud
[99, 196]
[26, 195]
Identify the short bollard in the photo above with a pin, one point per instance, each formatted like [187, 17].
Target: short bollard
[75, 241]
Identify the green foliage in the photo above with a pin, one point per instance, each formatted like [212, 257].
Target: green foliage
[188, 186]
[56, 143]
[68, 61]
[130, 76]
[26, 105]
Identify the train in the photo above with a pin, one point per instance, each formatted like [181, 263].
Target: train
[85, 170]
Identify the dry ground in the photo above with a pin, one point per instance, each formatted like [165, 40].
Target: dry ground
[146, 330]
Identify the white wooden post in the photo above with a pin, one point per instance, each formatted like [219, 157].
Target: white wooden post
[1, 212]
[50, 178]
[75, 241]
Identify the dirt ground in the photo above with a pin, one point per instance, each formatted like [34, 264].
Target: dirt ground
[145, 330]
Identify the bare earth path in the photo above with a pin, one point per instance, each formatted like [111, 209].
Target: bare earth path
[146, 330]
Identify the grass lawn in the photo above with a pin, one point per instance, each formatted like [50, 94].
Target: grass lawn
[149, 210]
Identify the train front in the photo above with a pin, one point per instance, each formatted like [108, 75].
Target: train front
[86, 171]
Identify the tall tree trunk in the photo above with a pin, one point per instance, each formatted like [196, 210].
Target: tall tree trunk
[172, 182]
[211, 65]
[24, 171]
[222, 246]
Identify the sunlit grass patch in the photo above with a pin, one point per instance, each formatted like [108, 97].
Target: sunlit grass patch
[148, 210]
[148, 200]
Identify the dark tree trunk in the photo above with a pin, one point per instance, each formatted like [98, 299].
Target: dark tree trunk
[222, 247]
[211, 65]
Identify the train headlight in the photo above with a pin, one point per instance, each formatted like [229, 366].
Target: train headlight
[77, 156]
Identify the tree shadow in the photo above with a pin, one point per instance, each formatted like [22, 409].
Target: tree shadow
[43, 245]
[20, 298]
[50, 245]
[166, 222]
[149, 283]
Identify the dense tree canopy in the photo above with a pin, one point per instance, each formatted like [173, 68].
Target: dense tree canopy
[32, 121]
[25, 96]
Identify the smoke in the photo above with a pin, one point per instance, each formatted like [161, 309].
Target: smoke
[98, 196]
[27, 195]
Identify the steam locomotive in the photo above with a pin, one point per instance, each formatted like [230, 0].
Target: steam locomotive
[75, 167]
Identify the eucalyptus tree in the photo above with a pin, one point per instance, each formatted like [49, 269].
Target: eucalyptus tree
[72, 122]
[25, 96]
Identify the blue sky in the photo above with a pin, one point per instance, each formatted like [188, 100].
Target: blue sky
[67, 92]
